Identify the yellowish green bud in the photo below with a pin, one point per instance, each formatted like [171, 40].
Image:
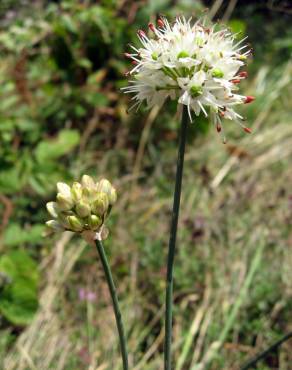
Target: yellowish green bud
[94, 222]
[54, 225]
[64, 189]
[76, 191]
[64, 203]
[52, 208]
[100, 205]
[104, 186]
[75, 223]
[63, 220]
[112, 196]
[89, 194]
[87, 182]
[82, 209]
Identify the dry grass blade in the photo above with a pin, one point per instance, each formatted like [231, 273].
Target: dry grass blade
[45, 340]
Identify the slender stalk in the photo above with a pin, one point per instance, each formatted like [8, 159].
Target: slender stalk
[172, 241]
[112, 289]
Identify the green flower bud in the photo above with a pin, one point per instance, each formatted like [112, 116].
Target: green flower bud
[89, 194]
[54, 225]
[217, 73]
[82, 209]
[63, 219]
[52, 208]
[87, 182]
[64, 189]
[64, 203]
[112, 196]
[76, 191]
[94, 222]
[75, 223]
[104, 186]
[100, 205]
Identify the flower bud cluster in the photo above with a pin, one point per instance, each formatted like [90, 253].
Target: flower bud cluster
[83, 206]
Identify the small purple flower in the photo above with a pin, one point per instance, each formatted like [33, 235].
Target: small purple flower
[86, 295]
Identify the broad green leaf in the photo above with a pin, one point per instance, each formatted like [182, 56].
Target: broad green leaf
[15, 235]
[65, 142]
[236, 26]
[18, 296]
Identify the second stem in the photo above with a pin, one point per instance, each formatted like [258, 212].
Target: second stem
[113, 293]
[172, 240]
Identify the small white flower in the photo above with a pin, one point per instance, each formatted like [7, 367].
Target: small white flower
[190, 63]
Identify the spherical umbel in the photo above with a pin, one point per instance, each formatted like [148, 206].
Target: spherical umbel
[196, 65]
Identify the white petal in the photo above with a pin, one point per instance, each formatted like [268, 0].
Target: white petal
[64, 189]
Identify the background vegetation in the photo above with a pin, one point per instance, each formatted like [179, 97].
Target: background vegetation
[62, 115]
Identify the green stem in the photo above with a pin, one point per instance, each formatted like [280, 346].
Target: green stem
[112, 289]
[172, 241]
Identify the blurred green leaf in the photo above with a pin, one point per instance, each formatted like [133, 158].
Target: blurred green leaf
[237, 26]
[18, 296]
[65, 142]
[15, 235]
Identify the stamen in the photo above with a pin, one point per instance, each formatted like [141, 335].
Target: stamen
[247, 129]
[151, 27]
[235, 81]
[160, 23]
[141, 33]
[243, 74]
[249, 99]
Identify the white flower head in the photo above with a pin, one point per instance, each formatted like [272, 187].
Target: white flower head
[193, 64]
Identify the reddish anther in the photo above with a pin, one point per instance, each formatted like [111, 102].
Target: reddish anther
[141, 33]
[243, 74]
[247, 129]
[218, 127]
[151, 27]
[160, 23]
[249, 99]
[236, 81]
[134, 62]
